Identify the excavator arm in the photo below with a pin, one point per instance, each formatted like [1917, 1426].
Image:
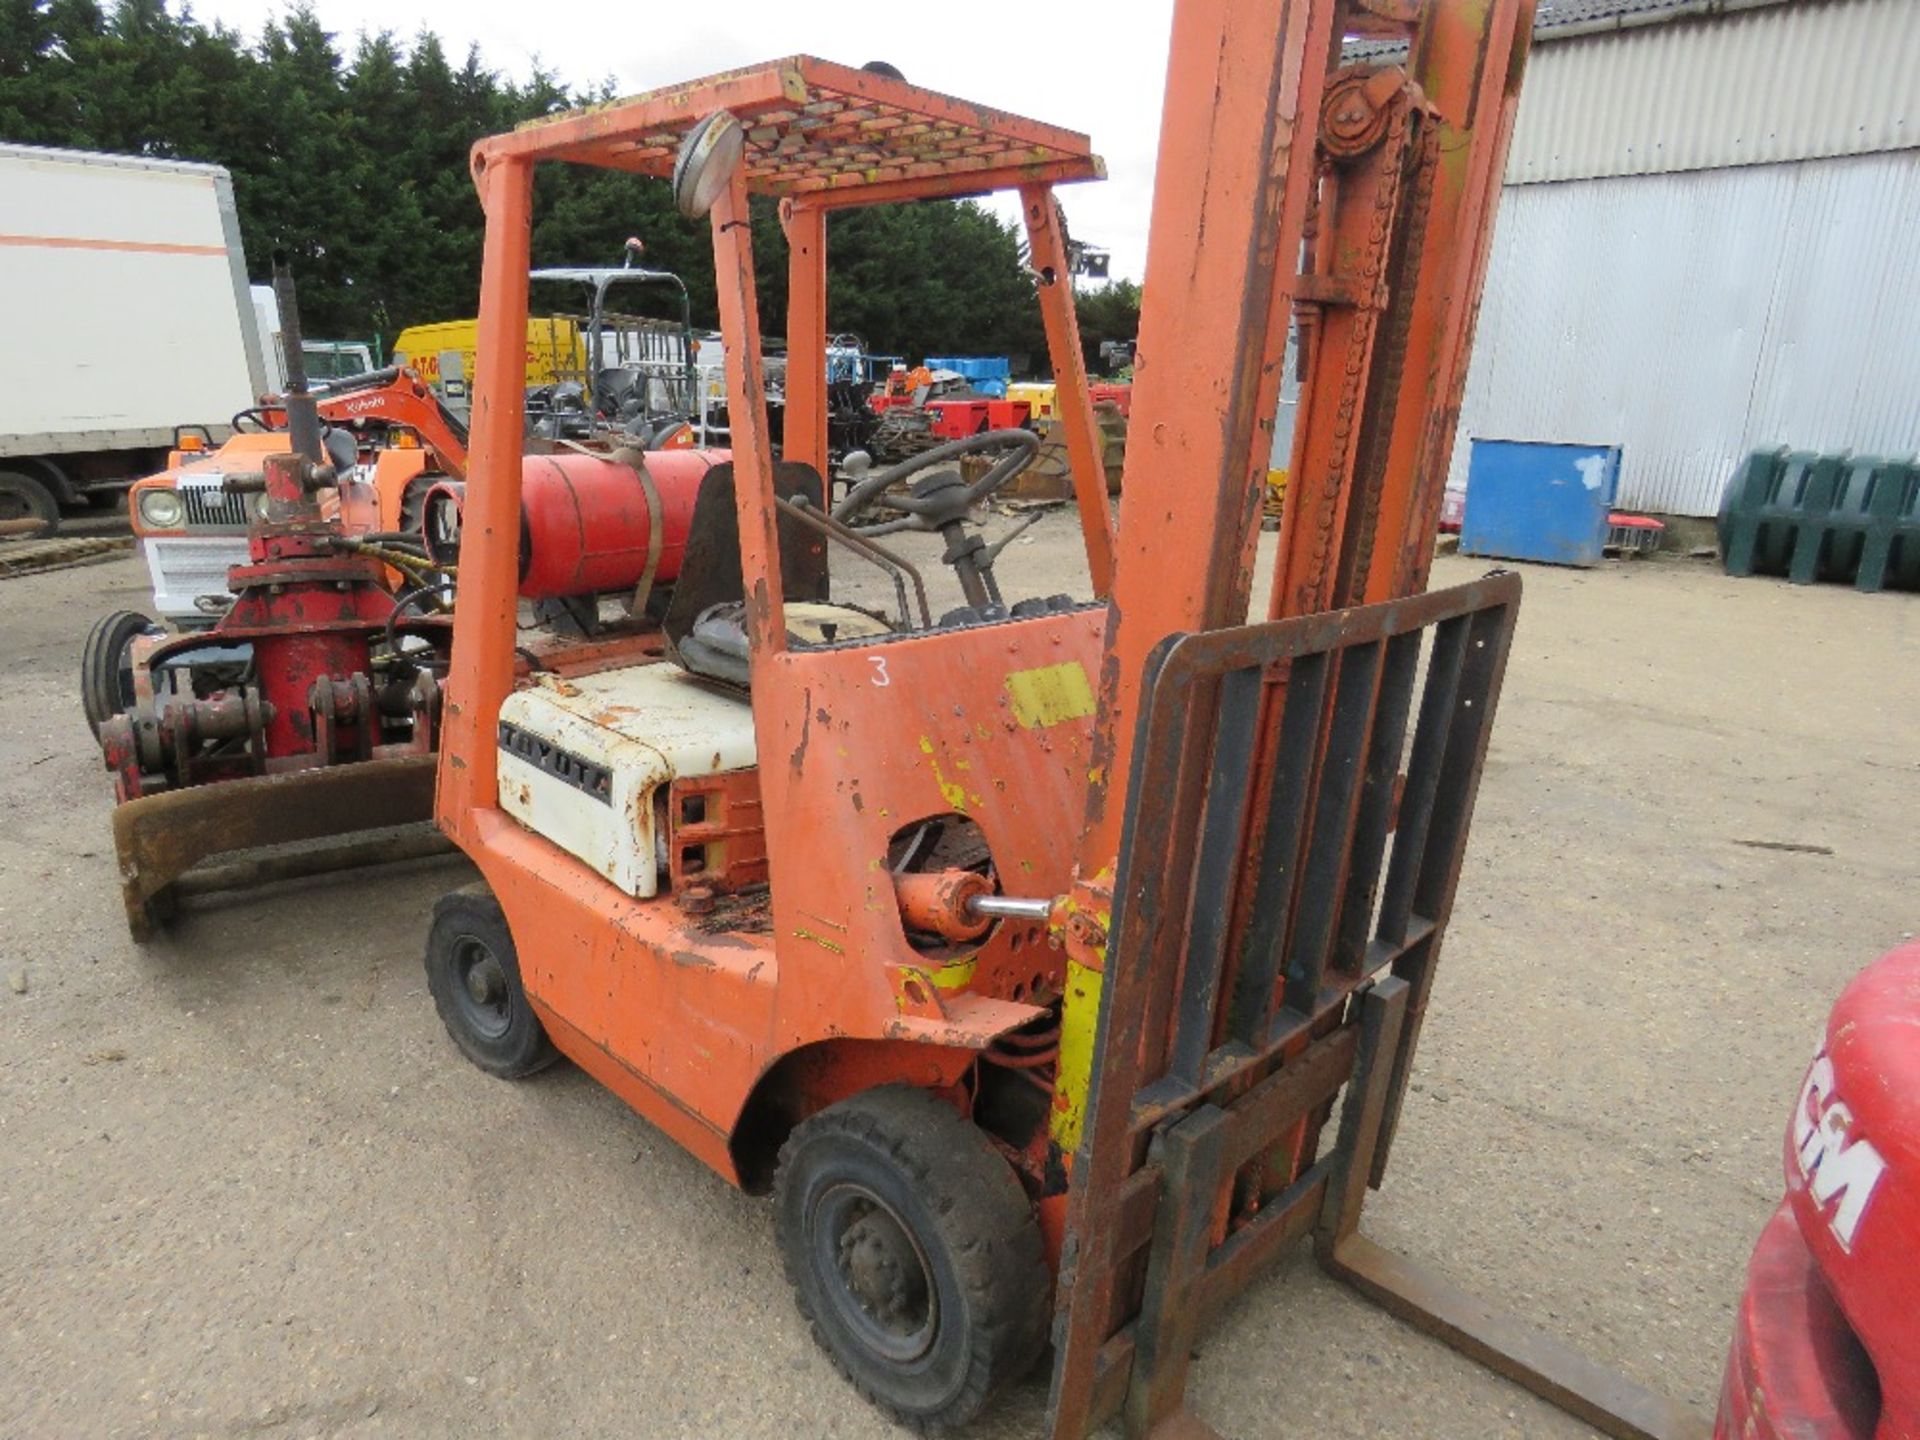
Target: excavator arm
[393, 396]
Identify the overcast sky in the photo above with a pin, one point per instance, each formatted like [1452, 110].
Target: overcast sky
[1104, 76]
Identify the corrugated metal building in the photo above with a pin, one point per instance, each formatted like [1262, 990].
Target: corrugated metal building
[1709, 240]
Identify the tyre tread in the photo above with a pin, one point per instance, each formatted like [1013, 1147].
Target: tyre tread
[39, 497]
[485, 914]
[988, 1227]
[110, 634]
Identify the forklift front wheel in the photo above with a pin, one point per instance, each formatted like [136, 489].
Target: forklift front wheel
[474, 975]
[913, 1253]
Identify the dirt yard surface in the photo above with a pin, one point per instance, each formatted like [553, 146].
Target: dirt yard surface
[248, 1187]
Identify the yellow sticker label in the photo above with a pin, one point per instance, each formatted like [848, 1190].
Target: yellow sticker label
[1050, 694]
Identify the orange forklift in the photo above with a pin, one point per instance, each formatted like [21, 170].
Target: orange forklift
[1024, 952]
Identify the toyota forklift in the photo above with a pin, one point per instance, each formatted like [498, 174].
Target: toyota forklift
[1055, 962]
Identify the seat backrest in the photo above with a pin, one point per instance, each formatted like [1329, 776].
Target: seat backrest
[710, 568]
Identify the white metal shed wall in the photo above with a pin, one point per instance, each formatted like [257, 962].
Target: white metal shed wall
[1692, 317]
[1782, 82]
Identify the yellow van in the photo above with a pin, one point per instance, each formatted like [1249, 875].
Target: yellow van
[556, 348]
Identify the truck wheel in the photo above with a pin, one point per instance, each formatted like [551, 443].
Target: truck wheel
[474, 976]
[913, 1253]
[24, 498]
[106, 668]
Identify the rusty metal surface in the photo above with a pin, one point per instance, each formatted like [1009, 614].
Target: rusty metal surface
[1085, 444]
[159, 838]
[389, 847]
[717, 832]
[1256, 1024]
[1363, 238]
[814, 128]
[25, 557]
[750, 912]
[1602, 1397]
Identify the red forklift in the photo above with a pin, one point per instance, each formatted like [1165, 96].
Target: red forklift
[1826, 1345]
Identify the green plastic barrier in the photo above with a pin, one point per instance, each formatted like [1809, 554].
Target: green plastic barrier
[1839, 517]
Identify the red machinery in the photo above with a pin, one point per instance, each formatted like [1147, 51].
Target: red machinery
[585, 527]
[1827, 1342]
[314, 665]
[314, 700]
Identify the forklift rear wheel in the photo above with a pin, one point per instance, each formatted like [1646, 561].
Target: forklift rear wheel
[913, 1253]
[474, 975]
[106, 669]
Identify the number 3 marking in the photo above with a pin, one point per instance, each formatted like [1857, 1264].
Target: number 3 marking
[879, 663]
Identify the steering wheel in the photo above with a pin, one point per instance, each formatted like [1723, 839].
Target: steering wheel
[939, 499]
[939, 503]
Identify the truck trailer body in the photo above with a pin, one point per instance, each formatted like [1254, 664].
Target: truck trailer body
[126, 283]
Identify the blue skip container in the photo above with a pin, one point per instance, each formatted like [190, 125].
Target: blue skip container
[1535, 500]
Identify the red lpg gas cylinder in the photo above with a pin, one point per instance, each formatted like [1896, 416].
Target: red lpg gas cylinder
[587, 521]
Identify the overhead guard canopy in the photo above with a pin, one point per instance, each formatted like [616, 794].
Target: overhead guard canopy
[814, 128]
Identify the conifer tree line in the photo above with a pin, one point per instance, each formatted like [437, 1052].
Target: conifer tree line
[350, 153]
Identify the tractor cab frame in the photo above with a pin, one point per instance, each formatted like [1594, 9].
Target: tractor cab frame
[634, 371]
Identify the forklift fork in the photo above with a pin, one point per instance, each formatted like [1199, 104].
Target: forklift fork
[1273, 941]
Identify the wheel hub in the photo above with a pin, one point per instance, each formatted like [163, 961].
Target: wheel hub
[885, 1288]
[882, 1271]
[486, 982]
[481, 992]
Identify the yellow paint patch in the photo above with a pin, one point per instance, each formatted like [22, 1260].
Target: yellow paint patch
[1050, 694]
[954, 793]
[1079, 1024]
[955, 976]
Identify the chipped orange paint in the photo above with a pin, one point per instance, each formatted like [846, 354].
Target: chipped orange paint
[869, 738]
[858, 741]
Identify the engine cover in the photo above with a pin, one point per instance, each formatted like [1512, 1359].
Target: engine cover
[581, 761]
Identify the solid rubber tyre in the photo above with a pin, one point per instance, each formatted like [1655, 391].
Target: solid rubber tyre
[24, 498]
[106, 677]
[473, 973]
[914, 1254]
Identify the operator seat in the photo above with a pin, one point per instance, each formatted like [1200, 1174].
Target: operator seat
[705, 621]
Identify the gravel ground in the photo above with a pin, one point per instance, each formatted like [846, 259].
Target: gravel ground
[250, 1189]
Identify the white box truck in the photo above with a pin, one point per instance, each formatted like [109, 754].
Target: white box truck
[124, 288]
